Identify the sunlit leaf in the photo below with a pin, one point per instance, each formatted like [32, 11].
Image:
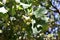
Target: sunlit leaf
[40, 12]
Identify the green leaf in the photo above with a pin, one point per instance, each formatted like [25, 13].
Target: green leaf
[13, 11]
[40, 12]
[25, 5]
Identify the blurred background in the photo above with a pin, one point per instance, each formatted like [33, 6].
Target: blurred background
[29, 19]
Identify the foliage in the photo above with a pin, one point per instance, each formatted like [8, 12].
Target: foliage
[28, 19]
